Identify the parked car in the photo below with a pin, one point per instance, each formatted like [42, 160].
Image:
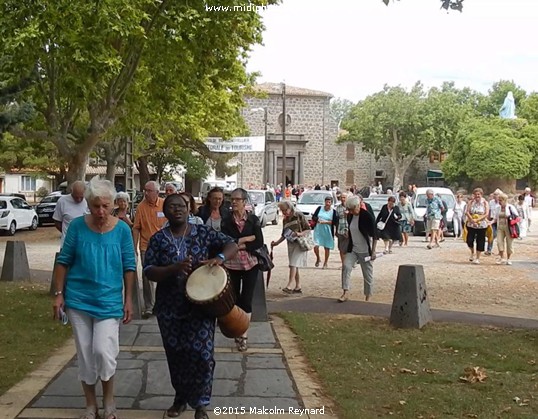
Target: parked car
[45, 209]
[420, 204]
[265, 206]
[309, 201]
[15, 214]
[18, 195]
[377, 202]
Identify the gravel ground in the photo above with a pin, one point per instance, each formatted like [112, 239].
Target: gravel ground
[452, 282]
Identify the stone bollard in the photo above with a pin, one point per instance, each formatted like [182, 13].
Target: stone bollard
[259, 303]
[410, 307]
[15, 266]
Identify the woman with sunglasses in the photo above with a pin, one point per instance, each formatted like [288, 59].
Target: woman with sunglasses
[246, 229]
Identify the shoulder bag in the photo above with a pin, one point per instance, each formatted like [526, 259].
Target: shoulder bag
[306, 242]
[265, 262]
[382, 224]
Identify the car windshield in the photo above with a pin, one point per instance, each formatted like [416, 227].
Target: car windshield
[50, 199]
[257, 197]
[449, 199]
[314, 198]
[376, 204]
[3, 204]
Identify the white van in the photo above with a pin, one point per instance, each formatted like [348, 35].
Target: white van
[207, 186]
[420, 204]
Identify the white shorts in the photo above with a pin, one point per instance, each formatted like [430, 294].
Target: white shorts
[98, 345]
[433, 224]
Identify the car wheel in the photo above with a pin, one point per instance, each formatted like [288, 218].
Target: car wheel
[34, 224]
[12, 228]
[275, 221]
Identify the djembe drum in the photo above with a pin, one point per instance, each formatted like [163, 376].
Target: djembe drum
[209, 288]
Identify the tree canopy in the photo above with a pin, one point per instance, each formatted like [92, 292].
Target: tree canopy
[94, 60]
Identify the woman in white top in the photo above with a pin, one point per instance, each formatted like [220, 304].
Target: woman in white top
[460, 207]
[504, 214]
[524, 212]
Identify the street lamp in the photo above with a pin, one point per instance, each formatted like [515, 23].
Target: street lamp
[265, 154]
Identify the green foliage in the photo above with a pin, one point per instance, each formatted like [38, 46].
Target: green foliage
[27, 153]
[497, 94]
[163, 65]
[491, 148]
[529, 108]
[339, 109]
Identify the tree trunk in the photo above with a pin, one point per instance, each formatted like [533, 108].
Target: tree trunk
[399, 173]
[111, 170]
[142, 165]
[76, 168]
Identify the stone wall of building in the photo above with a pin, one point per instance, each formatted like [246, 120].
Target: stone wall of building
[311, 137]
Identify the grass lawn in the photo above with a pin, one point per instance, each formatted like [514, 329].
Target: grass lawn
[28, 334]
[372, 370]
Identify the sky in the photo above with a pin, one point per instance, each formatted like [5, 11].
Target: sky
[351, 48]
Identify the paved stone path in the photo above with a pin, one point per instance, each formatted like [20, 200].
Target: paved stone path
[256, 379]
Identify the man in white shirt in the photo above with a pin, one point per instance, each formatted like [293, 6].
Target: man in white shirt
[70, 207]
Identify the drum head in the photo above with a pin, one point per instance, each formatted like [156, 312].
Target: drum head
[206, 283]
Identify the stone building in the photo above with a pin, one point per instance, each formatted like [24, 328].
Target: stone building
[312, 154]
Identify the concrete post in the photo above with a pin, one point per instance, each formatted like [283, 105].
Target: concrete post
[259, 303]
[410, 307]
[15, 266]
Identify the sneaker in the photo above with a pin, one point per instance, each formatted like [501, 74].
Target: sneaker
[499, 262]
[509, 262]
[471, 258]
[476, 262]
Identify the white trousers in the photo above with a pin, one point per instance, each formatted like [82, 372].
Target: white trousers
[98, 345]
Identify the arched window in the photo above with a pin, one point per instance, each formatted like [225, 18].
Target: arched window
[350, 177]
[350, 152]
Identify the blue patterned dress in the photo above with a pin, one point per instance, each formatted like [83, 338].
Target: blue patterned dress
[188, 335]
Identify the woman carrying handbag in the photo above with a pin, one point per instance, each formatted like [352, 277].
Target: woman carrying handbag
[388, 225]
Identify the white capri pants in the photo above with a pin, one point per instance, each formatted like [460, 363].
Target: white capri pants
[97, 344]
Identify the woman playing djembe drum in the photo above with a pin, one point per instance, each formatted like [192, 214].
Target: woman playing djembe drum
[188, 334]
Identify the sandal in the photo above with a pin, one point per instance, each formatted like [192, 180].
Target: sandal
[175, 410]
[297, 291]
[111, 412]
[343, 299]
[317, 264]
[90, 414]
[287, 290]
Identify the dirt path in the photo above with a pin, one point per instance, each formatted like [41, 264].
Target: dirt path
[452, 282]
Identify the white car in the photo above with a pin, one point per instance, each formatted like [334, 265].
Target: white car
[309, 201]
[420, 204]
[15, 214]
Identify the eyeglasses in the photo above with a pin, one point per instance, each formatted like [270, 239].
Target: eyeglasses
[236, 199]
[177, 206]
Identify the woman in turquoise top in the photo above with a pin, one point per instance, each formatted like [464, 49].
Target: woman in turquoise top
[96, 265]
[326, 220]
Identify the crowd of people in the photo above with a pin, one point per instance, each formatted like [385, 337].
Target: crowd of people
[96, 272]
[96, 275]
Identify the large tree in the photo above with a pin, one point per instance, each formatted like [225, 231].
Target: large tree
[92, 58]
[491, 149]
[339, 109]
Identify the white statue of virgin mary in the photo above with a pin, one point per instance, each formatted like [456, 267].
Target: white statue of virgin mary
[508, 110]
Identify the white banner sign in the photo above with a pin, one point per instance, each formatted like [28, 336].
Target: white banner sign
[235, 144]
